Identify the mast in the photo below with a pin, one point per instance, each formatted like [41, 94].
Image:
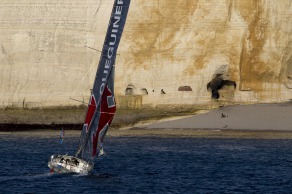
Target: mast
[102, 105]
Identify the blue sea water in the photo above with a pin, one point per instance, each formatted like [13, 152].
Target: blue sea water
[150, 165]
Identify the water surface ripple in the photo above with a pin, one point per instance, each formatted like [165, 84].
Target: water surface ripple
[150, 165]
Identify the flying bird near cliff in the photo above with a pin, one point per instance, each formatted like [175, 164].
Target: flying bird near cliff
[217, 83]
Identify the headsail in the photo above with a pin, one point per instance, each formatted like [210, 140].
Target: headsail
[102, 106]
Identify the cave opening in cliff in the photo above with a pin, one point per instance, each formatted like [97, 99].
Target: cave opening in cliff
[218, 83]
[130, 90]
[185, 88]
[144, 91]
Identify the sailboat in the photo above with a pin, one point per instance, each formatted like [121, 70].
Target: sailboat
[102, 105]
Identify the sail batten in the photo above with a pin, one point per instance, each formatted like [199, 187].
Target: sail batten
[102, 106]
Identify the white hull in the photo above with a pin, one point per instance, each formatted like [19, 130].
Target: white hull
[69, 164]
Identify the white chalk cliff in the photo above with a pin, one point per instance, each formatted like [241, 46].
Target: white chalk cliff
[48, 56]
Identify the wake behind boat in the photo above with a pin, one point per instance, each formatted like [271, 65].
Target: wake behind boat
[102, 105]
